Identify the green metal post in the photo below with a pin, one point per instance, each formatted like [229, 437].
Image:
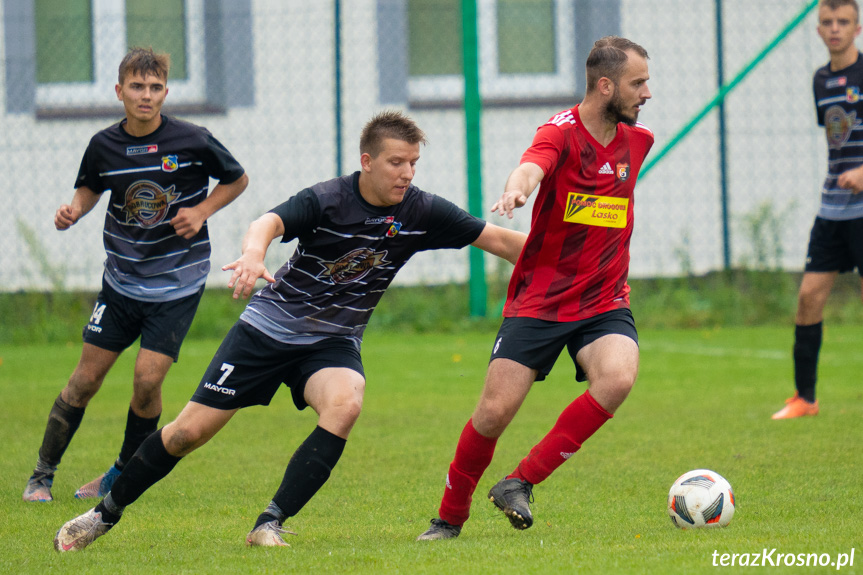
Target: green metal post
[472, 116]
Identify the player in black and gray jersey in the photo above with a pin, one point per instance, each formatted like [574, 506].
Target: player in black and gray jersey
[156, 172]
[836, 240]
[304, 329]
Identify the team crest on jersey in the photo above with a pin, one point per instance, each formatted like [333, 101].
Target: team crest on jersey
[394, 229]
[836, 82]
[852, 94]
[170, 163]
[147, 203]
[138, 150]
[838, 125]
[353, 266]
[622, 171]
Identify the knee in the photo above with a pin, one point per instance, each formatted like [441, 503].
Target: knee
[346, 406]
[491, 418]
[611, 390]
[81, 388]
[181, 440]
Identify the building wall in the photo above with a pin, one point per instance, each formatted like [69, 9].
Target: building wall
[286, 140]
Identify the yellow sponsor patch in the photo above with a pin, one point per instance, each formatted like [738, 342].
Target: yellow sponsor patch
[596, 210]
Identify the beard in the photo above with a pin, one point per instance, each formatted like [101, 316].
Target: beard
[615, 111]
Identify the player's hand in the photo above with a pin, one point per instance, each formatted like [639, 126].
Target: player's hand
[851, 180]
[66, 216]
[247, 270]
[508, 202]
[188, 222]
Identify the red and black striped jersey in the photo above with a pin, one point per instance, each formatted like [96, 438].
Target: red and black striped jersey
[576, 260]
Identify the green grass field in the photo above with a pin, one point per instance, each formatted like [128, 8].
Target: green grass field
[703, 399]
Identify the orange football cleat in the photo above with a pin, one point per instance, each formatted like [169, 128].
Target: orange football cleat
[796, 407]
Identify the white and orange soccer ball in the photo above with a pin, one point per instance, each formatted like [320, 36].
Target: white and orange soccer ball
[701, 498]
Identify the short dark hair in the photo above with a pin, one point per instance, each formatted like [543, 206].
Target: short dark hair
[145, 62]
[608, 58]
[389, 124]
[834, 4]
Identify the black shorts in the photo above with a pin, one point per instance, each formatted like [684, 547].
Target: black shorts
[249, 367]
[835, 246]
[117, 321]
[536, 343]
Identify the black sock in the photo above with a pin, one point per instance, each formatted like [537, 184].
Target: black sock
[807, 344]
[308, 470]
[149, 465]
[63, 422]
[137, 430]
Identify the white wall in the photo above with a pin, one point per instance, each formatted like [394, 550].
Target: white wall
[286, 141]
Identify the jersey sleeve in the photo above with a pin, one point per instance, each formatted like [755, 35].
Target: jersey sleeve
[546, 147]
[819, 117]
[220, 163]
[88, 172]
[450, 226]
[300, 214]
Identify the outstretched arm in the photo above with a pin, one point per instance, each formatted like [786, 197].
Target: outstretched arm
[519, 186]
[188, 221]
[250, 266]
[502, 242]
[82, 202]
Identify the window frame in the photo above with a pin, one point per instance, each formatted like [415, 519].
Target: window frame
[504, 87]
[109, 46]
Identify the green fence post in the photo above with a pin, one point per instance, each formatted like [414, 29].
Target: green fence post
[472, 117]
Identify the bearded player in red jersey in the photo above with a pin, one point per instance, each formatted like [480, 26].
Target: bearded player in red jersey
[568, 288]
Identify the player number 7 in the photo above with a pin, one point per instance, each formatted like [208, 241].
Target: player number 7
[227, 368]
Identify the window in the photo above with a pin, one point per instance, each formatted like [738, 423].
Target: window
[526, 49]
[79, 45]
[62, 55]
[530, 51]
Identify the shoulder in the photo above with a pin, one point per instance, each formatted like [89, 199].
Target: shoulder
[822, 72]
[334, 192]
[175, 128]
[640, 130]
[564, 120]
[111, 133]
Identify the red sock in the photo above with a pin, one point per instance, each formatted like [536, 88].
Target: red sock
[472, 456]
[576, 424]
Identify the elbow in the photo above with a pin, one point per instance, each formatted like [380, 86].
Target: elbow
[243, 183]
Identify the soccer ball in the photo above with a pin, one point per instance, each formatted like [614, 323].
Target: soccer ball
[701, 498]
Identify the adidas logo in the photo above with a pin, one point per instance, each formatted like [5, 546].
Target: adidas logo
[606, 169]
[566, 455]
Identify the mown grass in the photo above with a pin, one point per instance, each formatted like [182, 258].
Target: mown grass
[703, 399]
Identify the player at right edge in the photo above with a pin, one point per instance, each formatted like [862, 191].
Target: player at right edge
[836, 239]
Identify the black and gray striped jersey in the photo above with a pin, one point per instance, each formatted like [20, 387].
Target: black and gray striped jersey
[347, 254]
[149, 179]
[839, 106]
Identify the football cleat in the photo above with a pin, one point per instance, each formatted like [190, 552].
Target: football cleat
[796, 407]
[81, 532]
[268, 534]
[100, 486]
[440, 529]
[38, 488]
[513, 497]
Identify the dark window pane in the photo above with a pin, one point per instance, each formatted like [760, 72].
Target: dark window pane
[160, 24]
[64, 41]
[434, 37]
[525, 37]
